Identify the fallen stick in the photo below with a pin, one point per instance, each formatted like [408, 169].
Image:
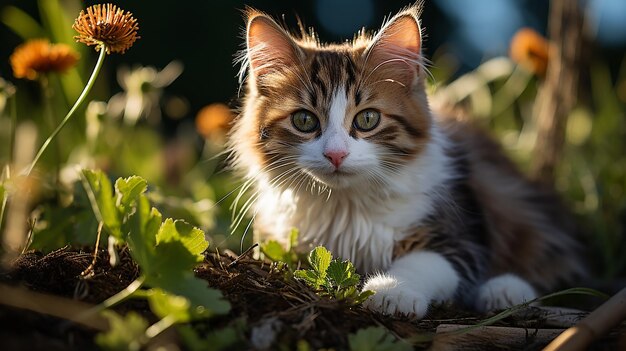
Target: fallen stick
[453, 337]
[56, 306]
[71, 310]
[596, 324]
[551, 317]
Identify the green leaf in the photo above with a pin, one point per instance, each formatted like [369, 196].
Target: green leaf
[274, 251]
[165, 251]
[204, 302]
[126, 333]
[376, 339]
[310, 277]
[58, 223]
[191, 237]
[319, 259]
[142, 227]
[85, 230]
[164, 304]
[342, 274]
[21, 23]
[179, 247]
[56, 17]
[293, 238]
[56, 21]
[362, 296]
[128, 190]
[100, 193]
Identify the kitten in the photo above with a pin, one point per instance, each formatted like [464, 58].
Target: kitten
[339, 142]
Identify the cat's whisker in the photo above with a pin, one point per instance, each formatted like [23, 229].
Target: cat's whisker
[409, 63]
[242, 189]
[234, 205]
[245, 232]
[389, 80]
[251, 181]
[276, 182]
[376, 178]
[303, 179]
[249, 203]
[296, 180]
[244, 210]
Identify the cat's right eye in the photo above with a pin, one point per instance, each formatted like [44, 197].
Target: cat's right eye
[366, 120]
[305, 121]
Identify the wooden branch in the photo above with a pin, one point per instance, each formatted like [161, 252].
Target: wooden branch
[450, 337]
[553, 317]
[71, 310]
[56, 306]
[596, 324]
[558, 94]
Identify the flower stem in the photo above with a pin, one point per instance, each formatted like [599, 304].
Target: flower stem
[77, 104]
[6, 172]
[13, 128]
[160, 326]
[123, 295]
[46, 97]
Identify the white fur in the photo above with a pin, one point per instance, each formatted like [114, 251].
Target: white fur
[361, 222]
[412, 283]
[503, 292]
[335, 136]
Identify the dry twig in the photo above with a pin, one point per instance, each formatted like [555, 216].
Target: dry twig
[596, 324]
[51, 305]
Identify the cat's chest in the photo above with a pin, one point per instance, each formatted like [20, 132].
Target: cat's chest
[361, 227]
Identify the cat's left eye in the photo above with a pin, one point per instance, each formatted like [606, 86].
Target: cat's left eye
[366, 120]
[305, 121]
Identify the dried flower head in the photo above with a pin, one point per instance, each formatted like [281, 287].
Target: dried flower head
[530, 50]
[106, 24]
[39, 56]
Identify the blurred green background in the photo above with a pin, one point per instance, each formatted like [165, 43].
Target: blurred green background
[149, 116]
[204, 36]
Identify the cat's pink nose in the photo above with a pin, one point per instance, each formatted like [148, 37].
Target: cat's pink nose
[336, 157]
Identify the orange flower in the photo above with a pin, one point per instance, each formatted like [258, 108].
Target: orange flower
[106, 24]
[213, 121]
[530, 50]
[39, 56]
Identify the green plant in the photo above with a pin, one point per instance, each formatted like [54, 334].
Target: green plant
[126, 332]
[288, 257]
[334, 278]
[166, 252]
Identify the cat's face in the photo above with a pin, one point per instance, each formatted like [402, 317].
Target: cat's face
[344, 115]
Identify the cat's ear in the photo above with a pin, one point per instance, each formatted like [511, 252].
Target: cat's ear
[269, 47]
[396, 48]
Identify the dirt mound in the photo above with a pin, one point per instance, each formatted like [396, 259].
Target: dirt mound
[269, 309]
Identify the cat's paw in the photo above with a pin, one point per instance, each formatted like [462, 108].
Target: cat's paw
[503, 292]
[392, 297]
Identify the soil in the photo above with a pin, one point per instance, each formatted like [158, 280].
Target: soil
[267, 309]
